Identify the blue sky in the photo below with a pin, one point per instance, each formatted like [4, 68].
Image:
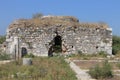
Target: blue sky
[107, 11]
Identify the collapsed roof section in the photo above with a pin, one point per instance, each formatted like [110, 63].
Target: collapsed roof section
[46, 21]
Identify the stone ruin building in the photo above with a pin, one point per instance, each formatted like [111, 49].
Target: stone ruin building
[46, 35]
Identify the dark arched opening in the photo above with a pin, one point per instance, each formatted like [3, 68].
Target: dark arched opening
[57, 44]
[23, 51]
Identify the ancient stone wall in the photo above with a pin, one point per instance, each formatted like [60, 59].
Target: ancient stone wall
[38, 39]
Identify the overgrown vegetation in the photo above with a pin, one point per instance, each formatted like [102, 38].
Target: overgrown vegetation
[47, 68]
[118, 65]
[29, 55]
[2, 39]
[99, 54]
[84, 56]
[101, 72]
[102, 54]
[116, 45]
[4, 57]
[37, 15]
[57, 49]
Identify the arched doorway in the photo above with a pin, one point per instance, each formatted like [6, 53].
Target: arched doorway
[56, 46]
[23, 51]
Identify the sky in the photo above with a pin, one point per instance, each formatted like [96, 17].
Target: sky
[107, 11]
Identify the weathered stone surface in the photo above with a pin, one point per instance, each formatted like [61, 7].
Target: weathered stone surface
[37, 36]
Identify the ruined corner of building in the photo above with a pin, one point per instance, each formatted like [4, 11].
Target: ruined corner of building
[51, 35]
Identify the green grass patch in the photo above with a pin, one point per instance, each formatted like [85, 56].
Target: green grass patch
[47, 68]
[2, 39]
[84, 56]
[118, 65]
[4, 57]
[101, 72]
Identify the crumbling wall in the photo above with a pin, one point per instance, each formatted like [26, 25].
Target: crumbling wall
[38, 39]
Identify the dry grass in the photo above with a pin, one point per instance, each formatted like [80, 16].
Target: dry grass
[88, 64]
[55, 21]
[53, 68]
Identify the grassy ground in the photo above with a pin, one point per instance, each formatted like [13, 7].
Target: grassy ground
[49, 68]
[87, 57]
[88, 64]
[85, 62]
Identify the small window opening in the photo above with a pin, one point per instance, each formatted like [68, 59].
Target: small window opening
[23, 51]
[96, 47]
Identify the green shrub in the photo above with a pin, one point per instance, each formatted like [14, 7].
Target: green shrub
[115, 49]
[37, 15]
[4, 56]
[116, 45]
[118, 65]
[101, 72]
[2, 39]
[95, 72]
[102, 54]
[79, 52]
[106, 70]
